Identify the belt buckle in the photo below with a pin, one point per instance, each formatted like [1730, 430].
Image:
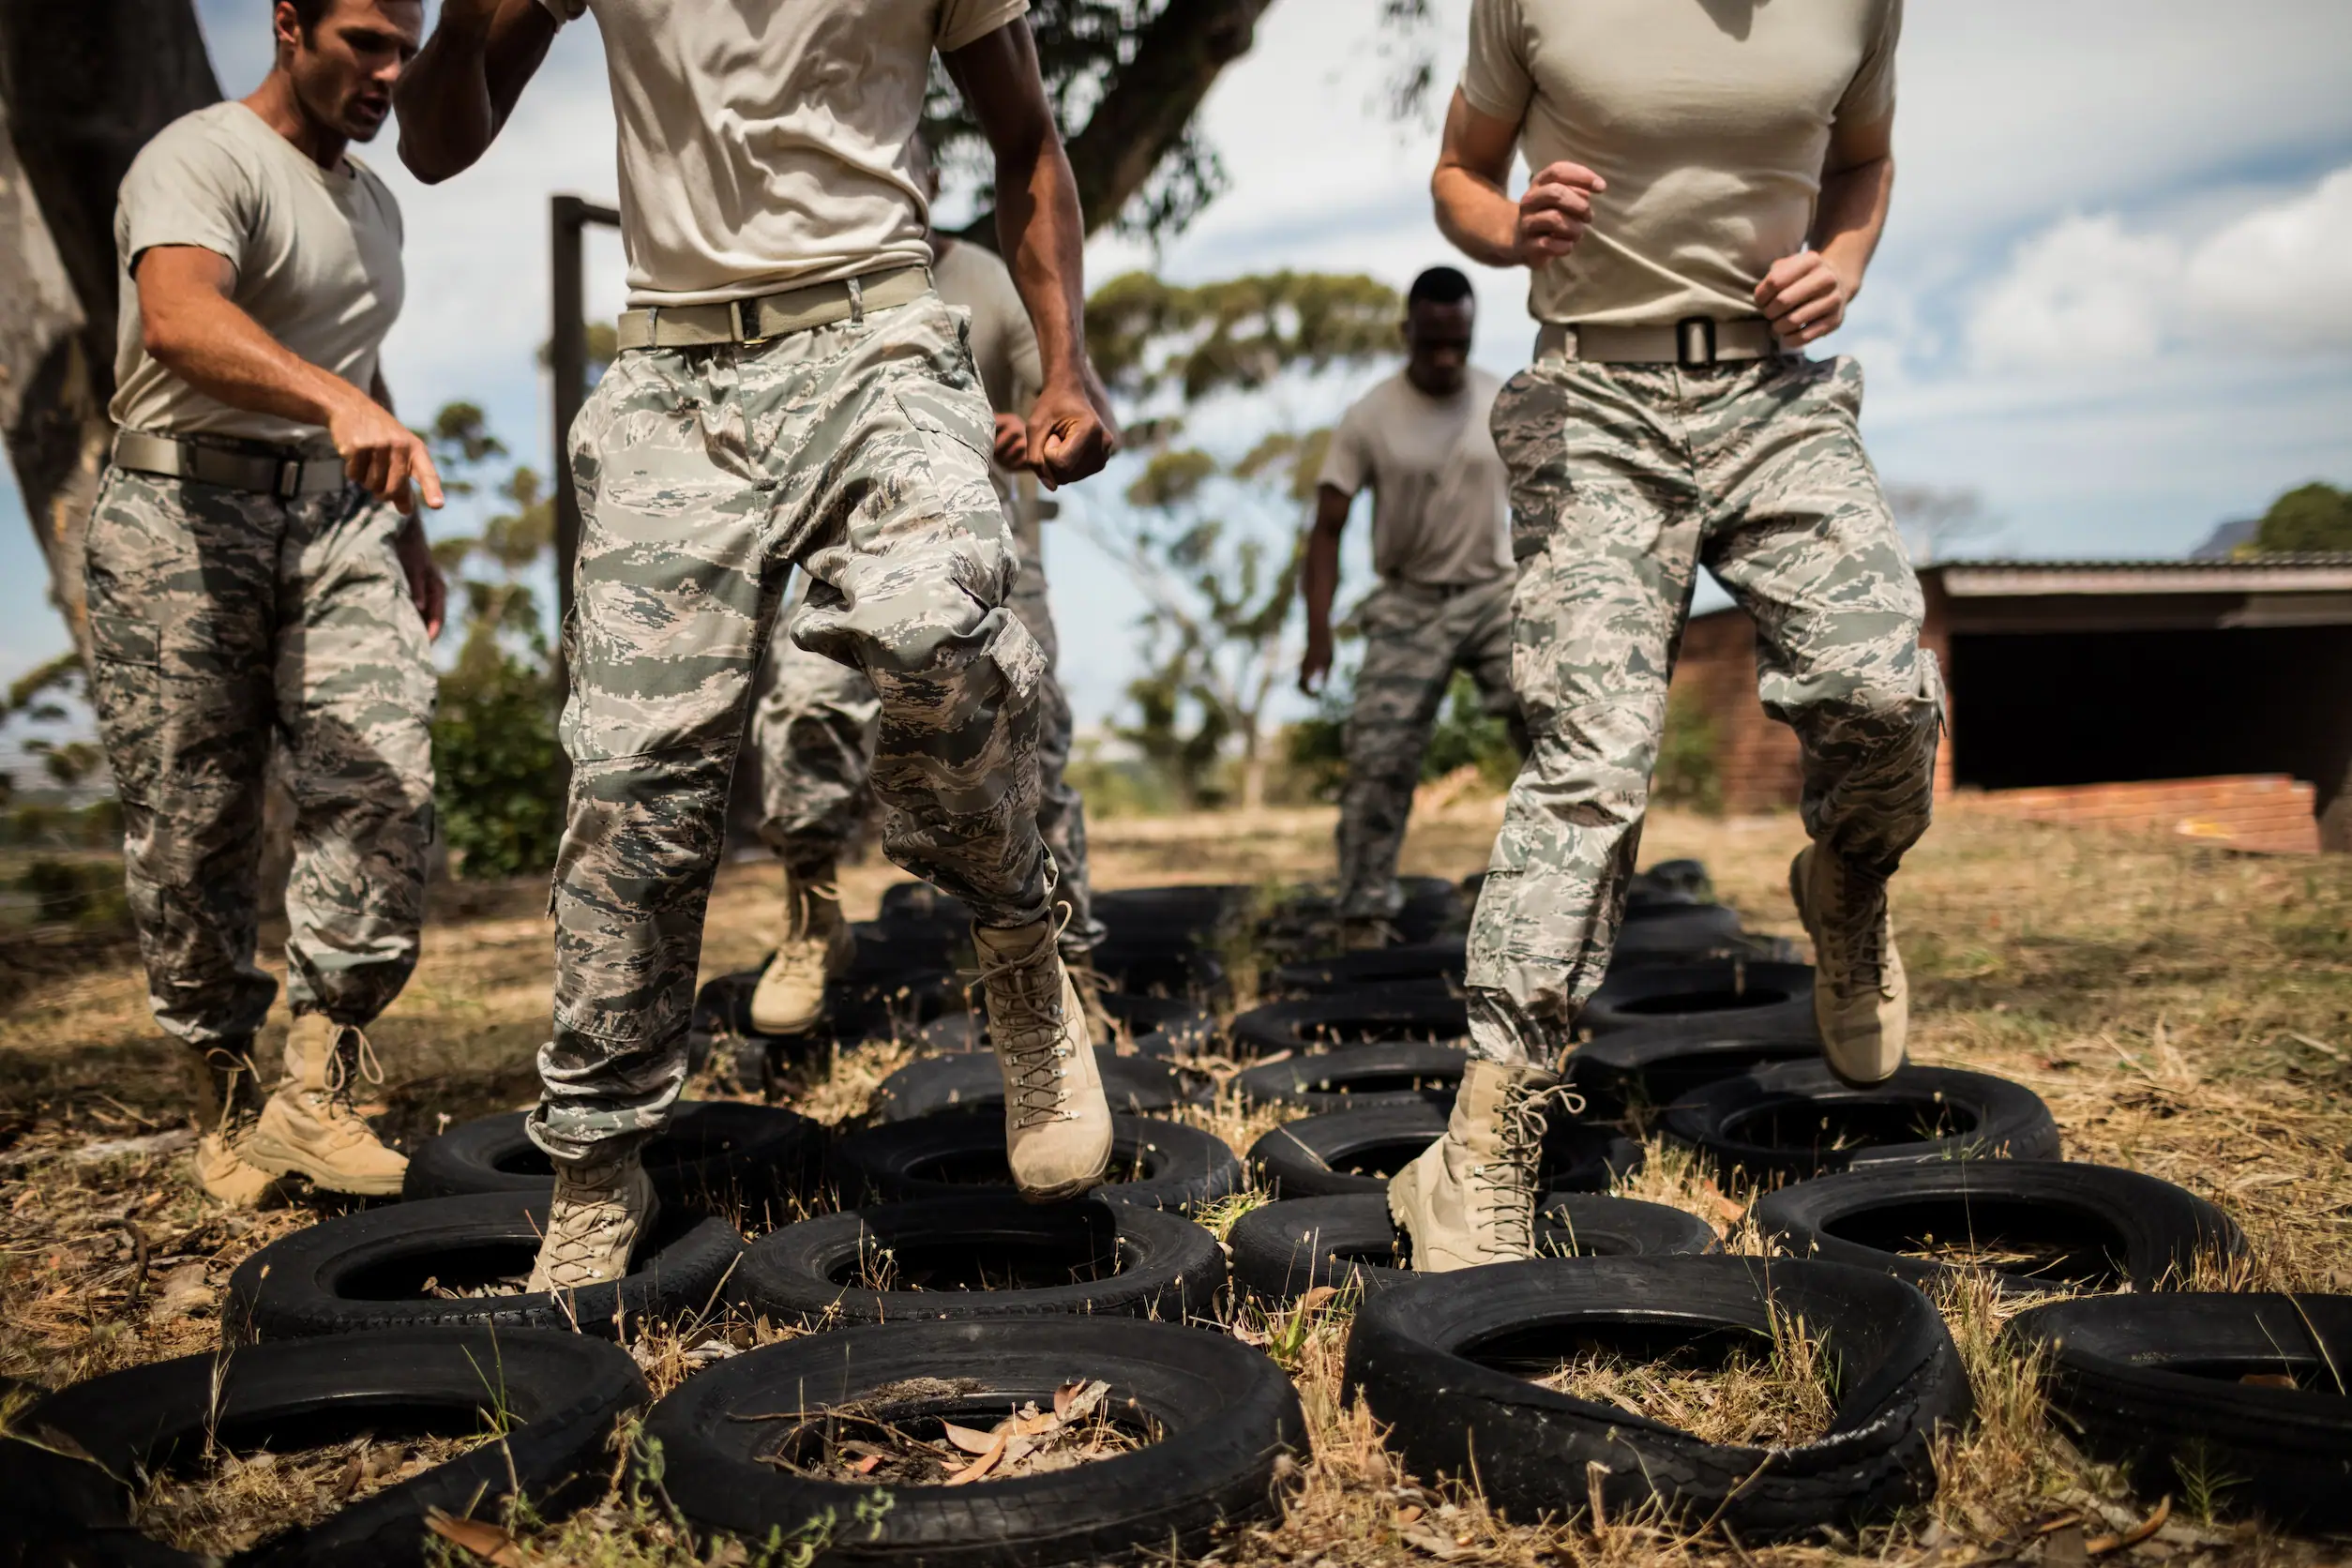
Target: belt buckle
[1694, 342]
[288, 485]
[747, 332]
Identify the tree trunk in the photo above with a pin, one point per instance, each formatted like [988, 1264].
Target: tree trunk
[83, 85]
[1147, 104]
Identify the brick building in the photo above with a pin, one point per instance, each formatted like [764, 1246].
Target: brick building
[2207, 697]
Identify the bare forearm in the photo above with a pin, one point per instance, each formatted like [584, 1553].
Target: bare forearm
[1318, 577]
[1044, 236]
[215, 347]
[1851, 214]
[455, 96]
[1475, 214]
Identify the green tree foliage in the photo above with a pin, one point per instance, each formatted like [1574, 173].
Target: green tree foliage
[1214, 540]
[1686, 774]
[1314, 749]
[2309, 518]
[499, 771]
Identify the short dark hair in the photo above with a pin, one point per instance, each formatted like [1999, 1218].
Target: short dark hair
[310, 13]
[1439, 285]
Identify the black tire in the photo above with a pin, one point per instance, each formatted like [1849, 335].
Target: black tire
[972, 1081]
[363, 1272]
[878, 1002]
[1411, 963]
[1660, 932]
[1423, 1010]
[1401, 1072]
[1432, 907]
[1706, 997]
[1144, 967]
[1358, 1150]
[1165, 1267]
[1450, 1413]
[1654, 1067]
[1183, 913]
[1670, 882]
[2094, 1226]
[1139, 1015]
[712, 1156]
[1799, 1119]
[1283, 1250]
[561, 1393]
[2152, 1382]
[1155, 1165]
[1224, 1413]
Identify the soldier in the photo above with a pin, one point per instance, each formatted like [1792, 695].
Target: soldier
[252, 577]
[1709, 188]
[815, 728]
[1441, 545]
[790, 391]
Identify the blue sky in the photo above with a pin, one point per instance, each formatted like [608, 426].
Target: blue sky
[2115, 298]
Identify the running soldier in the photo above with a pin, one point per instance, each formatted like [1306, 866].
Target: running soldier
[790, 391]
[254, 580]
[1706, 198]
[815, 728]
[1442, 546]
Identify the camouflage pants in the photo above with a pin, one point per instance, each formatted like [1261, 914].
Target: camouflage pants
[860, 452]
[1414, 638]
[814, 731]
[222, 622]
[1624, 480]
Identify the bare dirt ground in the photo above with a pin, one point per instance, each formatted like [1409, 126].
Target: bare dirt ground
[2186, 1011]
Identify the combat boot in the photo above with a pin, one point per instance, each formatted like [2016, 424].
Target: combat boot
[1861, 1002]
[310, 1126]
[1057, 1123]
[601, 1209]
[1470, 1198]
[817, 948]
[224, 1080]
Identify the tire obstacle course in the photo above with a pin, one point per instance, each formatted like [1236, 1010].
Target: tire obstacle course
[935, 1301]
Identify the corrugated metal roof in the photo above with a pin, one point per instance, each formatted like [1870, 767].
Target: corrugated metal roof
[2261, 574]
[2252, 562]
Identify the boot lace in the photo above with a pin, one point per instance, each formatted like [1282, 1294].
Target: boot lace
[1507, 1183]
[584, 1225]
[798, 955]
[232, 1067]
[1857, 930]
[350, 1064]
[1024, 1013]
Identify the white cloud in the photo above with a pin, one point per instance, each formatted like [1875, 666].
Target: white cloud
[2090, 293]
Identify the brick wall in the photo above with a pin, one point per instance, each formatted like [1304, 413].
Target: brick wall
[2270, 812]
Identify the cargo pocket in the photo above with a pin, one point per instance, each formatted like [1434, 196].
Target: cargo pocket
[127, 690]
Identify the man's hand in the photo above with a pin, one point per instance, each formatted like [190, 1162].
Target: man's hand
[1012, 441]
[382, 455]
[426, 586]
[1071, 432]
[1804, 297]
[1315, 665]
[1555, 210]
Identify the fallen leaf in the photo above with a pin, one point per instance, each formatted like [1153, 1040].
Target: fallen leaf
[1316, 1297]
[1407, 1513]
[184, 1292]
[866, 1465]
[981, 1466]
[478, 1536]
[1038, 1424]
[1435, 1545]
[2061, 1522]
[1726, 1209]
[2267, 1380]
[2137, 1534]
[970, 1440]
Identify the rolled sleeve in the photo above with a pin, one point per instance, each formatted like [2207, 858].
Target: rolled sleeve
[963, 22]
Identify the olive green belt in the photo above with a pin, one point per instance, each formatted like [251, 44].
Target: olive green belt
[1694, 343]
[764, 316]
[282, 471]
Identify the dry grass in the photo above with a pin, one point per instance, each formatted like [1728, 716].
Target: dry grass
[2186, 1011]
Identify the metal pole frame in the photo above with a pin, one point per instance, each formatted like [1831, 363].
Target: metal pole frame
[567, 362]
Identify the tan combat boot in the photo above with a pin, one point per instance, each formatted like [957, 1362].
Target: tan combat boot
[601, 1208]
[1470, 1198]
[1057, 1124]
[310, 1127]
[224, 1078]
[1861, 1002]
[817, 948]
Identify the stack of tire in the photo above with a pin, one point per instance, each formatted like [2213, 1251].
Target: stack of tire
[939, 1296]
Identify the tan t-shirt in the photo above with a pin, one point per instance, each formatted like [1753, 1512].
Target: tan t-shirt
[1708, 118]
[763, 144]
[1440, 495]
[1004, 351]
[317, 257]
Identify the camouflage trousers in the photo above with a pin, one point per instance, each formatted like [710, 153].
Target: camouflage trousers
[1416, 636]
[1625, 479]
[860, 452]
[222, 623]
[814, 730]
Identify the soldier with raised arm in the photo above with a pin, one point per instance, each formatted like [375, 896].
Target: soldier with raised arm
[1709, 181]
[790, 390]
[257, 580]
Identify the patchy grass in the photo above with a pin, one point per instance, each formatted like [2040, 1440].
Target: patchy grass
[2186, 1011]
